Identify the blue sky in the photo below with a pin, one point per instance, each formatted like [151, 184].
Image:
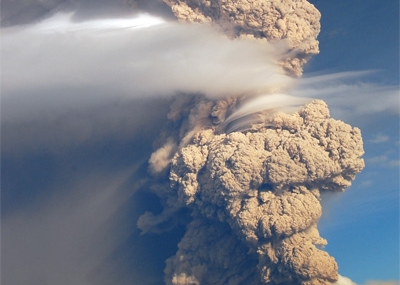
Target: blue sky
[362, 225]
[72, 165]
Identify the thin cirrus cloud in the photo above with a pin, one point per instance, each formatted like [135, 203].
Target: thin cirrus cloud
[350, 93]
[379, 138]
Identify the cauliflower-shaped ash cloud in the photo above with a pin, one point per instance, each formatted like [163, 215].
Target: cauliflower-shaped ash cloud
[210, 254]
[264, 185]
[296, 21]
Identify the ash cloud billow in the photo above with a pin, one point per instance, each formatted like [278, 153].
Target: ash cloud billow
[254, 194]
[263, 187]
[241, 161]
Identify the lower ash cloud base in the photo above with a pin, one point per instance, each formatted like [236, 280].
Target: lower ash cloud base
[254, 195]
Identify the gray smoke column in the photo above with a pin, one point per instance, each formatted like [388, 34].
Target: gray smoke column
[296, 22]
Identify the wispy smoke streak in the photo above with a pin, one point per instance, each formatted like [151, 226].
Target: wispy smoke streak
[271, 102]
[159, 60]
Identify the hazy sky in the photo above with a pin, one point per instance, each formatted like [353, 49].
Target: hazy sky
[78, 127]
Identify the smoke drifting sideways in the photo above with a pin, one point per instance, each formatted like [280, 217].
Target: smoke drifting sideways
[246, 180]
[94, 64]
[297, 22]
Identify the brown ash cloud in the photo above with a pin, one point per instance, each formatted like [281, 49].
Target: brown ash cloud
[251, 177]
[248, 187]
[261, 185]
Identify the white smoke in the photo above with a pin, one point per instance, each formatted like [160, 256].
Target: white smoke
[272, 102]
[347, 281]
[161, 59]
[342, 280]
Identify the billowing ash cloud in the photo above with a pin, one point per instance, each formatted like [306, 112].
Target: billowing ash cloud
[241, 161]
[251, 175]
[254, 195]
[297, 22]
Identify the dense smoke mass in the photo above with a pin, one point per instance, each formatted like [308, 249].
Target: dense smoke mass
[240, 162]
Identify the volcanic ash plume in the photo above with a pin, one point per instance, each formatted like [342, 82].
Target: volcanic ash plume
[295, 22]
[254, 196]
[247, 176]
